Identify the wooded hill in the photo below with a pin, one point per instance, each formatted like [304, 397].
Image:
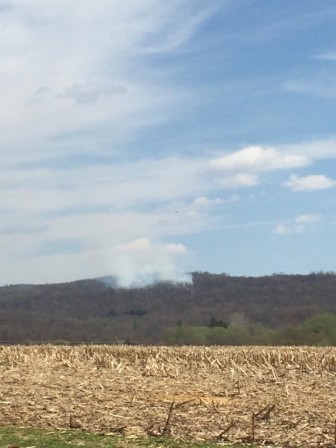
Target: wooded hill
[94, 311]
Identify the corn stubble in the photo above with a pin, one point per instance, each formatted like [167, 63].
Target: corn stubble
[282, 396]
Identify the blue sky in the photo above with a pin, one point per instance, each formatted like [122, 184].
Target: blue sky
[148, 139]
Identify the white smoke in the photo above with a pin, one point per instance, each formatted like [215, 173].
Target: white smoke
[141, 262]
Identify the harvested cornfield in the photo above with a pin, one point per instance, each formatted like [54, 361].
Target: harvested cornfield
[280, 396]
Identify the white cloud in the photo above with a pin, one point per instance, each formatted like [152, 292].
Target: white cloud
[88, 245]
[68, 67]
[309, 183]
[204, 201]
[256, 158]
[112, 185]
[300, 224]
[78, 81]
[282, 229]
[308, 219]
[175, 248]
[104, 208]
[144, 245]
[316, 149]
[238, 180]
[139, 245]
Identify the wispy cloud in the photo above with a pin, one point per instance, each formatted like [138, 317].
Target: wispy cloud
[69, 66]
[22, 229]
[328, 56]
[80, 79]
[204, 201]
[239, 180]
[115, 205]
[300, 224]
[91, 92]
[322, 86]
[110, 112]
[314, 149]
[119, 203]
[309, 183]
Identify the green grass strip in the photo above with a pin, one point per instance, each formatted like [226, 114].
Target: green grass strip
[11, 437]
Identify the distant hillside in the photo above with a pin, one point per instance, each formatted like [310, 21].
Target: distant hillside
[92, 310]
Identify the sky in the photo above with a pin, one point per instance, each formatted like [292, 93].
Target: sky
[146, 139]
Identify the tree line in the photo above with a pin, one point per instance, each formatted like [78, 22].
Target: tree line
[319, 330]
[97, 310]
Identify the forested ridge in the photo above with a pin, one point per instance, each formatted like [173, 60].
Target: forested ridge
[96, 311]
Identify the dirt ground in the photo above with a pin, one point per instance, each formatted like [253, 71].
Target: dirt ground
[279, 396]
